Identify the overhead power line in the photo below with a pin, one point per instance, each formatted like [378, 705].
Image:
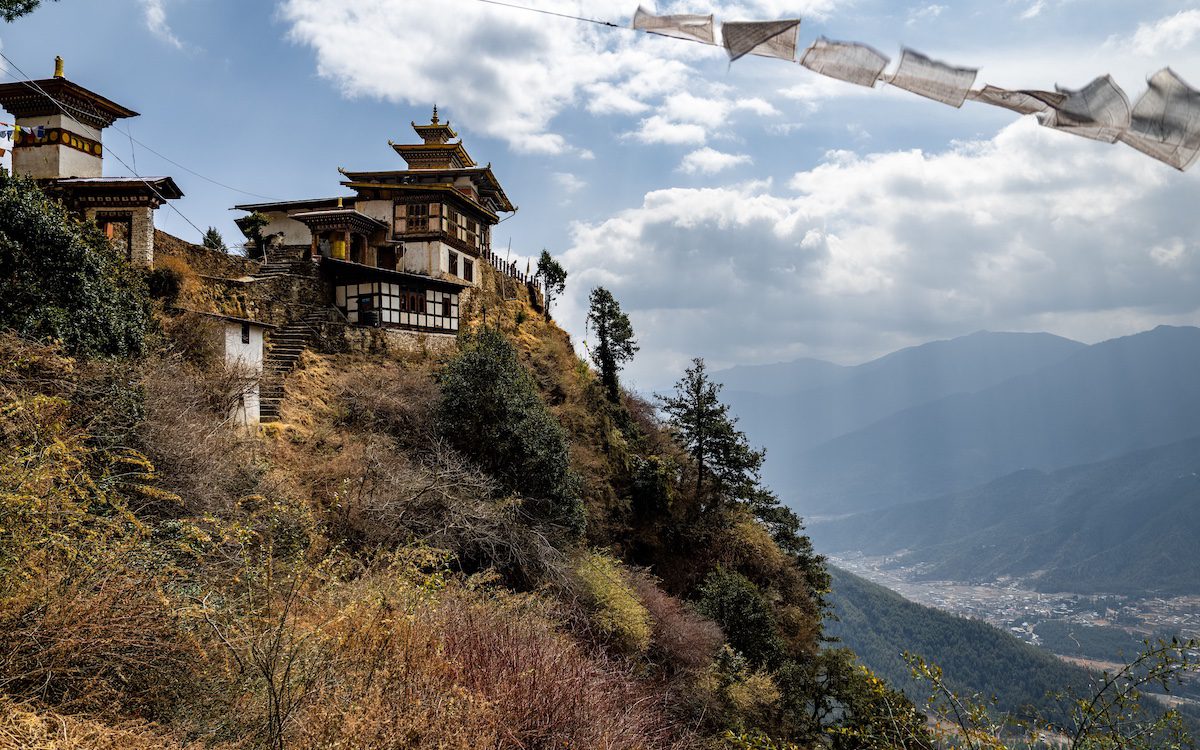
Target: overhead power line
[128, 134]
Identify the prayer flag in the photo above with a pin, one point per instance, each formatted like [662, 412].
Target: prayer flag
[845, 61]
[765, 38]
[685, 26]
[1099, 111]
[932, 79]
[1024, 102]
[1165, 123]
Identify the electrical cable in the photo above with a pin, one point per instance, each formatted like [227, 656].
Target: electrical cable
[127, 132]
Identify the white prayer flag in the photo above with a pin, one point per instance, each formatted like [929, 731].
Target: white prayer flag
[1024, 102]
[765, 38]
[1166, 121]
[932, 79]
[686, 26]
[845, 61]
[1099, 111]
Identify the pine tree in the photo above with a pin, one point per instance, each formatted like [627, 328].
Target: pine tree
[615, 344]
[726, 467]
[213, 240]
[553, 276]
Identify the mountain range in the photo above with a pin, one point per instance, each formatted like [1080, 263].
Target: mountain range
[1126, 525]
[949, 416]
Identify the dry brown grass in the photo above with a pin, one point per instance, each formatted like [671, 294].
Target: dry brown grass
[453, 666]
[101, 641]
[25, 726]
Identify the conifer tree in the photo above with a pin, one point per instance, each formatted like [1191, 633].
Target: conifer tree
[553, 276]
[11, 10]
[615, 344]
[213, 239]
[726, 467]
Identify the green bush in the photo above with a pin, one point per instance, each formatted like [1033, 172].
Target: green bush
[616, 611]
[61, 279]
[491, 411]
[739, 608]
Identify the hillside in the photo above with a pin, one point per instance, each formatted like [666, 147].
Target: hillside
[797, 406]
[879, 625]
[1120, 526]
[1101, 402]
[452, 541]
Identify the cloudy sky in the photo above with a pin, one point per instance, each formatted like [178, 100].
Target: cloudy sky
[746, 213]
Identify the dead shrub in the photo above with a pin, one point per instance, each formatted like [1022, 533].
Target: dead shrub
[439, 499]
[100, 639]
[397, 402]
[199, 339]
[543, 691]
[683, 640]
[186, 431]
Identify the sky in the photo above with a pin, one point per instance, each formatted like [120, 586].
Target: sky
[747, 213]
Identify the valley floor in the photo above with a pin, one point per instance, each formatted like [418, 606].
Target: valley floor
[1007, 605]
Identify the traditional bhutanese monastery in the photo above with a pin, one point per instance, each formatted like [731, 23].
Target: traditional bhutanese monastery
[402, 249]
[397, 256]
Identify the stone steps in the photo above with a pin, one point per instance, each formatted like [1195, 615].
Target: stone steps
[283, 351]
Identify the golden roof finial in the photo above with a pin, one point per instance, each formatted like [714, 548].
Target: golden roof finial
[58, 66]
[435, 119]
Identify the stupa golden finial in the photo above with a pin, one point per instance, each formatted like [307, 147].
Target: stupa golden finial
[58, 66]
[435, 117]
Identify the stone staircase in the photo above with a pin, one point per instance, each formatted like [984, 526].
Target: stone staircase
[283, 349]
[283, 262]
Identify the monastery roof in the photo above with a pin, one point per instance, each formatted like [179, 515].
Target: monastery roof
[338, 215]
[230, 318]
[485, 181]
[301, 203]
[345, 269]
[163, 186]
[41, 98]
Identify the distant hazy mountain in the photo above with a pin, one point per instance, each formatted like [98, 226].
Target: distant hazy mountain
[1098, 402]
[795, 406]
[879, 625]
[1126, 525]
[783, 378]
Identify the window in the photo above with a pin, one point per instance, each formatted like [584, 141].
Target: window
[417, 302]
[468, 270]
[418, 217]
[245, 333]
[445, 305]
[453, 264]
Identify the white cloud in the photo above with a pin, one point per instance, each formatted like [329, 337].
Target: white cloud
[568, 183]
[711, 161]
[1166, 34]
[156, 21]
[1034, 10]
[925, 13]
[1029, 230]
[658, 129]
[508, 73]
